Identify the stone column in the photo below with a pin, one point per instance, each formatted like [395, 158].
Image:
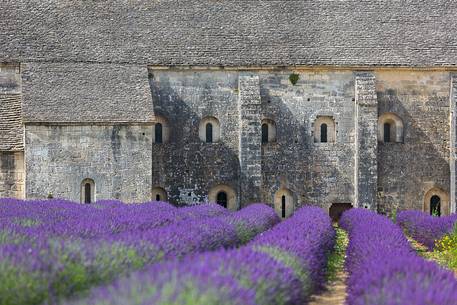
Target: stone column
[453, 142]
[366, 141]
[250, 145]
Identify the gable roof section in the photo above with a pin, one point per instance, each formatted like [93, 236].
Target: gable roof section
[91, 93]
[231, 32]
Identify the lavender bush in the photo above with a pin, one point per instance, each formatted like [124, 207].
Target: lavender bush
[425, 228]
[44, 256]
[385, 270]
[280, 266]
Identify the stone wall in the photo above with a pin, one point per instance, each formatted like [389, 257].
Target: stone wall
[12, 176]
[407, 171]
[116, 157]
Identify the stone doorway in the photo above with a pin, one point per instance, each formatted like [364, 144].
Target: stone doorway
[337, 209]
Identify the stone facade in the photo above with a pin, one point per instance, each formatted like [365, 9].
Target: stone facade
[285, 102]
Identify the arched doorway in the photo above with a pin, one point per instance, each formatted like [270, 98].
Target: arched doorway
[436, 202]
[87, 191]
[337, 209]
[159, 194]
[221, 199]
[284, 203]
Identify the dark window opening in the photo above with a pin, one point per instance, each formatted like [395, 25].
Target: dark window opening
[264, 133]
[222, 199]
[157, 197]
[158, 133]
[209, 133]
[283, 206]
[386, 132]
[435, 206]
[324, 138]
[87, 193]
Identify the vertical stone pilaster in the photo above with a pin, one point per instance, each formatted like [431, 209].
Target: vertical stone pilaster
[453, 142]
[366, 141]
[250, 153]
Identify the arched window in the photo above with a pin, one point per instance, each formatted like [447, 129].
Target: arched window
[268, 131]
[159, 194]
[224, 195]
[390, 128]
[387, 131]
[435, 205]
[324, 130]
[87, 191]
[209, 133]
[324, 133]
[209, 130]
[158, 133]
[284, 203]
[161, 132]
[222, 199]
[264, 133]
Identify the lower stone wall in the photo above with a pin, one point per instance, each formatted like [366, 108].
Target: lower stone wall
[12, 174]
[116, 157]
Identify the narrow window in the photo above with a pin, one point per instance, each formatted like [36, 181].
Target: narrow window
[283, 206]
[209, 133]
[158, 133]
[222, 199]
[324, 133]
[87, 193]
[157, 197]
[435, 206]
[386, 132]
[264, 133]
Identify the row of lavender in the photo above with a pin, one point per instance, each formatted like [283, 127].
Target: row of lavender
[425, 228]
[385, 270]
[281, 266]
[50, 249]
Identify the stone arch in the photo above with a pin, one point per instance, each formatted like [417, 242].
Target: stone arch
[443, 196]
[216, 193]
[324, 129]
[212, 125]
[159, 194]
[161, 130]
[88, 191]
[284, 202]
[268, 131]
[390, 128]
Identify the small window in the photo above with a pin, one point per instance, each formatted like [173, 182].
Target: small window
[387, 131]
[87, 191]
[158, 197]
[390, 128]
[158, 133]
[268, 131]
[264, 133]
[161, 130]
[222, 199]
[209, 130]
[283, 206]
[324, 129]
[435, 205]
[209, 133]
[324, 133]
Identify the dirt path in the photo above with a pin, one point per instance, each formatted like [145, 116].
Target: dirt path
[335, 289]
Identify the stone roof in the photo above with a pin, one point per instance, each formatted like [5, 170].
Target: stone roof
[231, 33]
[11, 129]
[79, 92]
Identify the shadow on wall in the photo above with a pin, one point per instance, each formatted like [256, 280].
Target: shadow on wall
[187, 168]
[410, 173]
[294, 166]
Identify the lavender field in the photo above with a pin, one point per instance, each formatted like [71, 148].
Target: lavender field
[60, 252]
